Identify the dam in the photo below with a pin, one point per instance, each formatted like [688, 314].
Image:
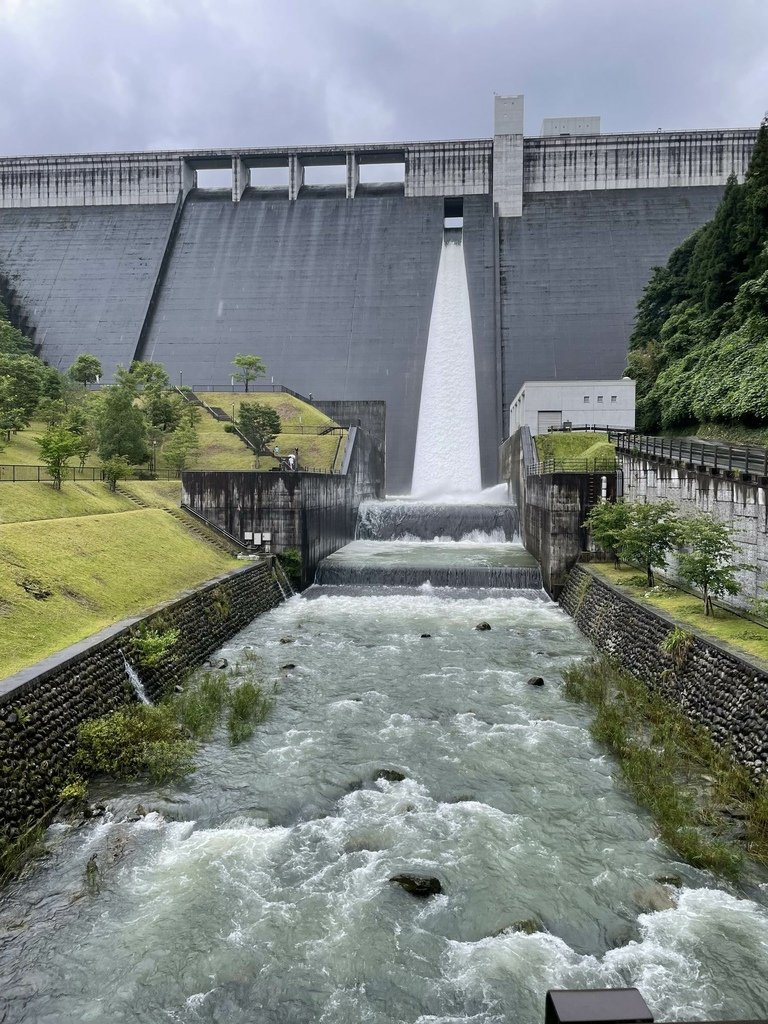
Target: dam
[130, 255]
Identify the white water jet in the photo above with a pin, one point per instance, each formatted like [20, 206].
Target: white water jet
[447, 458]
[136, 683]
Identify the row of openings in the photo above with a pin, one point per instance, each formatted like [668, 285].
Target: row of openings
[320, 174]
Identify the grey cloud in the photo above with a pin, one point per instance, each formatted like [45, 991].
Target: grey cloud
[81, 75]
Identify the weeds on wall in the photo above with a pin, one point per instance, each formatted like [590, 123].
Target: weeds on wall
[160, 740]
[673, 768]
[677, 644]
[153, 646]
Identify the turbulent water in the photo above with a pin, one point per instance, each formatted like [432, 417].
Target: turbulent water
[447, 456]
[259, 890]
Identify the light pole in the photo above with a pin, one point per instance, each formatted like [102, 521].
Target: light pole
[181, 379]
[154, 456]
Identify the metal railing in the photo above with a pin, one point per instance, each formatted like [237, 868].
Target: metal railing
[13, 474]
[603, 464]
[591, 428]
[749, 460]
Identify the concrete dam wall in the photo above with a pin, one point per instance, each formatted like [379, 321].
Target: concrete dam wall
[333, 286]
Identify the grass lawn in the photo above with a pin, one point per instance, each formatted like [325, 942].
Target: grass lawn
[25, 502]
[21, 450]
[98, 569]
[156, 493]
[315, 451]
[576, 445]
[742, 634]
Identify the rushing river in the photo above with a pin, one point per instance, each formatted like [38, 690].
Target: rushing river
[258, 891]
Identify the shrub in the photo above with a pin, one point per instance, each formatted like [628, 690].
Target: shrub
[135, 739]
[153, 647]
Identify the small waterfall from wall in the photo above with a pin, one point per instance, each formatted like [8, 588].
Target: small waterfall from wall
[447, 458]
[136, 683]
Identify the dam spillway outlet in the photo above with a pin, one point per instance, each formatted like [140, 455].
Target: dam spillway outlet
[447, 456]
[413, 564]
[490, 522]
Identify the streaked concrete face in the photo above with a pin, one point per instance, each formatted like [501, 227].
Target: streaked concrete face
[333, 286]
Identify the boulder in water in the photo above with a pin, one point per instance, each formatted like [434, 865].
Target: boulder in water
[390, 775]
[288, 665]
[286, 640]
[420, 886]
[535, 681]
[674, 880]
[654, 898]
[528, 926]
[426, 636]
[483, 627]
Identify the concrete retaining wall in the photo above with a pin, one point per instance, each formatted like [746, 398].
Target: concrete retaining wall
[313, 512]
[715, 687]
[42, 707]
[739, 503]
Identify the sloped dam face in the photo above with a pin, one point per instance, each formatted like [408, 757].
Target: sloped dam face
[403, 741]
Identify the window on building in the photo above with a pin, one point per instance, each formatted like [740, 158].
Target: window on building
[586, 398]
[600, 399]
[613, 398]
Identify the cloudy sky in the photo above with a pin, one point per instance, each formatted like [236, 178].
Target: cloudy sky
[90, 75]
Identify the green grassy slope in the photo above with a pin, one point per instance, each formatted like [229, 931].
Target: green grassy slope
[25, 502]
[98, 570]
[740, 633]
[315, 451]
[576, 445]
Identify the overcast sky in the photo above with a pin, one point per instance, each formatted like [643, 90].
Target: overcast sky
[102, 75]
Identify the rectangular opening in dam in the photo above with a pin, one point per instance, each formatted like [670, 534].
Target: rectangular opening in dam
[382, 174]
[325, 174]
[453, 212]
[213, 177]
[269, 177]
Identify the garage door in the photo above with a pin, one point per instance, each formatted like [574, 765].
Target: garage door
[549, 418]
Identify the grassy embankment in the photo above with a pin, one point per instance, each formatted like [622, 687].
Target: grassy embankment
[95, 560]
[565, 447]
[218, 448]
[316, 451]
[741, 634]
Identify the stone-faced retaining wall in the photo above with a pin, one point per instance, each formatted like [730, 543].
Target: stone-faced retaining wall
[724, 691]
[42, 707]
[741, 504]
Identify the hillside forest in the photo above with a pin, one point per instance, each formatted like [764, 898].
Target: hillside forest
[699, 350]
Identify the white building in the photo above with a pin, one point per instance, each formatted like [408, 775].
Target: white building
[541, 404]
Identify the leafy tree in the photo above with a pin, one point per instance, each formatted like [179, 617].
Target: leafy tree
[23, 374]
[180, 449]
[86, 369]
[259, 423]
[707, 560]
[12, 341]
[51, 411]
[251, 368]
[607, 522]
[121, 428]
[653, 530]
[11, 415]
[163, 409]
[57, 447]
[115, 469]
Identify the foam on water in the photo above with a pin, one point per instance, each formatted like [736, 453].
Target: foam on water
[263, 883]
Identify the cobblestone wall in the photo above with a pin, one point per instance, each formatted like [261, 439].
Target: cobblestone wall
[42, 707]
[725, 692]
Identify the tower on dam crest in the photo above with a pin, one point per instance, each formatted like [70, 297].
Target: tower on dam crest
[127, 256]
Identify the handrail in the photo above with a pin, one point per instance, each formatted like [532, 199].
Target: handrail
[749, 460]
[607, 464]
[214, 526]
